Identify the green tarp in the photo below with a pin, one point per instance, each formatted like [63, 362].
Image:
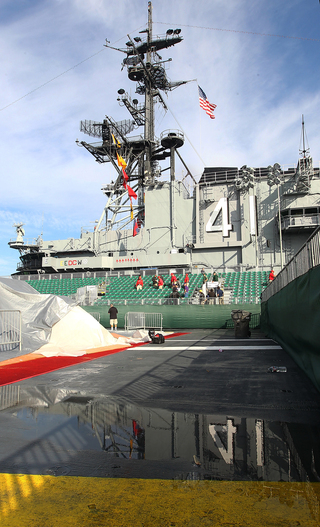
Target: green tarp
[184, 316]
[292, 318]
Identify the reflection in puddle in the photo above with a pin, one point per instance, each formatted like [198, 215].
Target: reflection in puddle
[62, 427]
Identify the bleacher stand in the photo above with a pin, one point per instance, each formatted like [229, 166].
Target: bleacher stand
[239, 287]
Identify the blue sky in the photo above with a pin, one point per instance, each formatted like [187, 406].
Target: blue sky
[257, 61]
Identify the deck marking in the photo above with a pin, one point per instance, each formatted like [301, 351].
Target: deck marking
[231, 339]
[209, 348]
[33, 500]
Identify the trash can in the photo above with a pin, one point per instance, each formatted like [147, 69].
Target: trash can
[241, 320]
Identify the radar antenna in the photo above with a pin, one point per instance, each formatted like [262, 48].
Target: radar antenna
[18, 243]
[305, 171]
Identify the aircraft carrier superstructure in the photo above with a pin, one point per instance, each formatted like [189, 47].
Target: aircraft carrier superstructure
[231, 218]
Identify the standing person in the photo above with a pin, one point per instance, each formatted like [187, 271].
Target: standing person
[271, 275]
[220, 295]
[175, 290]
[175, 293]
[215, 277]
[186, 279]
[160, 282]
[202, 298]
[204, 282]
[212, 295]
[113, 312]
[186, 290]
[139, 283]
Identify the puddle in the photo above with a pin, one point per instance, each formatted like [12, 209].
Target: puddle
[57, 432]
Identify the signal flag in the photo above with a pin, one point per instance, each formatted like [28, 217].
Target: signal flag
[116, 141]
[125, 178]
[136, 229]
[121, 161]
[131, 192]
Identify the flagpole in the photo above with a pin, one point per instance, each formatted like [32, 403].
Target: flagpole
[200, 129]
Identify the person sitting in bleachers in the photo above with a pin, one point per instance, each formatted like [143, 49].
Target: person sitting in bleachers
[160, 282]
[271, 276]
[139, 283]
[155, 281]
[173, 279]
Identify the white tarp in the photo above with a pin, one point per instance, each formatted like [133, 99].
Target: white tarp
[75, 333]
[54, 325]
[38, 312]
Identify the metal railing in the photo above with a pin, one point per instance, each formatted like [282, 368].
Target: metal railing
[307, 221]
[136, 320]
[237, 299]
[10, 329]
[141, 301]
[87, 295]
[9, 396]
[305, 259]
[245, 299]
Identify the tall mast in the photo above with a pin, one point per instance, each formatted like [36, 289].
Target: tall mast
[305, 171]
[142, 153]
[303, 135]
[149, 103]
[304, 151]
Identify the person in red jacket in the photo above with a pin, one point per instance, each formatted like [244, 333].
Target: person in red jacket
[271, 275]
[186, 279]
[139, 284]
[160, 282]
[173, 279]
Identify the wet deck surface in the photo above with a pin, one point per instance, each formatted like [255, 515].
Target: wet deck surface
[201, 407]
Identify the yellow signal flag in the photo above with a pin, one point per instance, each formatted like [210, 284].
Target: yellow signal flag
[121, 161]
[116, 141]
[131, 215]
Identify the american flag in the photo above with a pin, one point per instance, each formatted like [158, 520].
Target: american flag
[205, 104]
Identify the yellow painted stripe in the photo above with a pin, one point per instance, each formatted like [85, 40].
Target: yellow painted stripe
[48, 501]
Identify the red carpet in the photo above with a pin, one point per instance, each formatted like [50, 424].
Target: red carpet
[31, 367]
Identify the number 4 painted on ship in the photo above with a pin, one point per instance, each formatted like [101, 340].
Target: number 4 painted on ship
[222, 206]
